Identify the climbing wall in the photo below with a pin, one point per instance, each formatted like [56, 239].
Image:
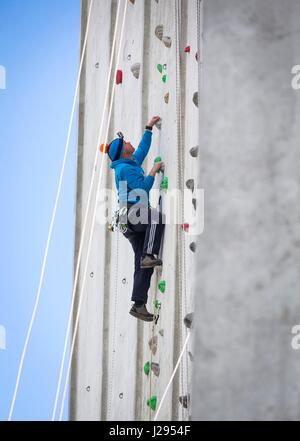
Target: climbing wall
[121, 366]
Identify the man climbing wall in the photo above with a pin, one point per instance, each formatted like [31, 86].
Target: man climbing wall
[145, 225]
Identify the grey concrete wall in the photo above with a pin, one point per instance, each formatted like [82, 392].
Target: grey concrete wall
[248, 275]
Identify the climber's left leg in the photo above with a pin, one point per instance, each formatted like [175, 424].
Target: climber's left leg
[153, 238]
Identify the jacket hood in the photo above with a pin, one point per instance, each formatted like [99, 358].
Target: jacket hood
[115, 164]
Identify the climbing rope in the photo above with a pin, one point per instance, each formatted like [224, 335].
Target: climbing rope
[92, 227]
[53, 217]
[173, 375]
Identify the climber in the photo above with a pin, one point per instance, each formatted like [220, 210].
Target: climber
[145, 225]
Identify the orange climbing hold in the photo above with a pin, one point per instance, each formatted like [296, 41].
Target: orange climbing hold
[119, 77]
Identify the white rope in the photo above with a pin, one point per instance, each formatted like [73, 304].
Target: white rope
[85, 220]
[92, 226]
[37, 299]
[173, 374]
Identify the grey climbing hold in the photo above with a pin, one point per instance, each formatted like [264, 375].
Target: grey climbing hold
[153, 344]
[88, 388]
[193, 247]
[195, 99]
[155, 369]
[159, 31]
[92, 275]
[194, 151]
[184, 401]
[158, 125]
[166, 98]
[165, 67]
[121, 395]
[194, 202]
[190, 183]
[97, 65]
[161, 332]
[188, 320]
[167, 41]
[191, 356]
[124, 281]
[135, 69]
[132, 1]
[128, 57]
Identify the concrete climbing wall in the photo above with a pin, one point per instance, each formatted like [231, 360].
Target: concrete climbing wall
[248, 279]
[159, 78]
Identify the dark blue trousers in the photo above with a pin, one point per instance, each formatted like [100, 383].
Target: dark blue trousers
[145, 238]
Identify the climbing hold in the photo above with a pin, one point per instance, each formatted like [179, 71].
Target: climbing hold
[165, 67]
[119, 77]
[188, 320]
[195, 99]
[153, 344]
[167, 41]
[155, 369]
[132, 1]
[161, 332]
[147, 368]
[102, 149]
[164, 184]
[184, 401]
[157, 159]
[197, 56]
[124, 281]
[159, 68]
[159, 31]
[185, 227]
[97, 65]
[88, 388]
[194, 151]
[190, 183]
[194, 202]
[166, 98]
[191, 356]
[187, 49]
[135, 69]
[151, 402]
[164, 78]
[156, 1]
[157, 304]
[129, 57]
[92, 275]
[162, 286]
[158, 125]
[193, 247]
[121, 395]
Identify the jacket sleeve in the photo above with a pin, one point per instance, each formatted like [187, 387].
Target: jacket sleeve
[143, 148]
[136, 181]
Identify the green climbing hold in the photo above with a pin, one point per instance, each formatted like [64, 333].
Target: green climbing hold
[159, 68]
[157, 159]
[162, 286]
[147, 368]
[164, 184]
[157, 304]
[151, 402]
[164, 78]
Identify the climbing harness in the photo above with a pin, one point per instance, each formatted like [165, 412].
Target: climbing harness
[119, 221]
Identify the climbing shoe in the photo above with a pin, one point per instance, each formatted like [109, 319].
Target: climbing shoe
[141, 313]
[149, 261]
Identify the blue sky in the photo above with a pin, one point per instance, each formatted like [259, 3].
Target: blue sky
[39, 48]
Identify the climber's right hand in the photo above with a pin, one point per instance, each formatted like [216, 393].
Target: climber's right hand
[156, 168]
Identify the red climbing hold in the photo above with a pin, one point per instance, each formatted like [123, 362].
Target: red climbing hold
[197, 56]
[187, 49]
[185, 227]
[119, 77]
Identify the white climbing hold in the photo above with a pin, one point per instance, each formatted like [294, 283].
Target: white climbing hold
[158, 125]
[153, 344]
[135, 69]
[159, 31]
[167, 41]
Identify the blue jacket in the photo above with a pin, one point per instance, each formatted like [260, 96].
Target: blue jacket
[130, 170]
